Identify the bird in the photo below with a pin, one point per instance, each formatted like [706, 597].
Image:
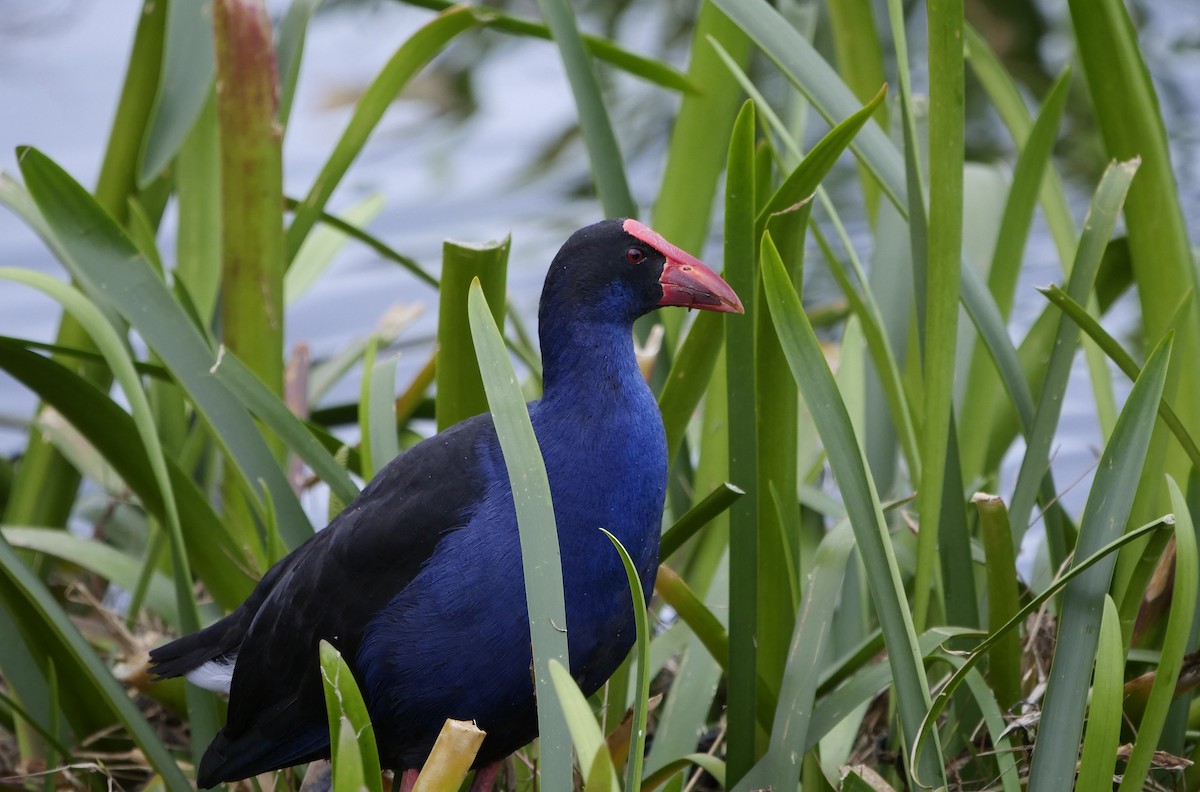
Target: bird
[418, 581]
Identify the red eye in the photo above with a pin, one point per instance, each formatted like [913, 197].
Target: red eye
[634, 255]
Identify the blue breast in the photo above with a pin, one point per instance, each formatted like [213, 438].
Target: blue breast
[606, 461]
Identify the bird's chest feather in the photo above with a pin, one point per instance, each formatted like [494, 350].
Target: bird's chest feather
[607, 469]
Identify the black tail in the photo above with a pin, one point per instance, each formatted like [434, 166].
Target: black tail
[182, 655]
[220, 639]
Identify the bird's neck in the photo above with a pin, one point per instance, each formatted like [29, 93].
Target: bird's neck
[589, 360]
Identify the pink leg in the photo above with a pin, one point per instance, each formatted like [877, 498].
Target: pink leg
[409, 780]
[485, 777]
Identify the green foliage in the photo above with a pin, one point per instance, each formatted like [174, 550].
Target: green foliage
[795, 614]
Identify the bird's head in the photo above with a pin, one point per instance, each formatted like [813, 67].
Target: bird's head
[618, 270]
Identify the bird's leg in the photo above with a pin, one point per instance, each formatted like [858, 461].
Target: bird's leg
[485, 777]
[408, 779]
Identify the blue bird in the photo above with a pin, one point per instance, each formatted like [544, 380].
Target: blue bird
[418, 582]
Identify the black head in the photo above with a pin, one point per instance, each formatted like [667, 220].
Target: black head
[617, 270]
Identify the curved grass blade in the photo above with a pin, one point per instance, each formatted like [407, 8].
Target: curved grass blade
[641, 692]
[1117, 354]
[595, 763]
[371, 241]
[980, 402]
[358, 756]
[410, 58]
[323, 244]
[608, 167]
[603, 49]
[539, 536]
[817, 385]
[1102, 733]
[697, 517]
[802, 182]
[707, 762]
[1175, 644]
[1010, 105]
[982, 648]
[104, 260]
[821, 85]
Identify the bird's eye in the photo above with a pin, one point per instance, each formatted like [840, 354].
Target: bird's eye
[635, 255]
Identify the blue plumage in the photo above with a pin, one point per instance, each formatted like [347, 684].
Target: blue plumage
[418, 582]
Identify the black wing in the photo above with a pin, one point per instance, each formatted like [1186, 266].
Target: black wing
[328, 588]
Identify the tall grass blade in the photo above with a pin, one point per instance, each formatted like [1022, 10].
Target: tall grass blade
[293, 28]
[539, 537]
[860, 62]
[197, 172]
[1108, 508]
[700, 136]
[820, 84]
[781, 765]
[1175, 644]
[595, 762]
[459, 388]
[251, 156]
[641, 691]
[1102, 217]
[45, 485]
[381, 412]
[941, 287]
[188, 67]
[355, 758]
[1102, 732]
[1127, 112]
[981, 399]
[1003, 598]
[816, 383]
[688, 379]
[741, 272]
[410, 58]
[608, 168]
[104, 260]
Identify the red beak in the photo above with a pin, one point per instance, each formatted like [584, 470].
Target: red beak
[685, 280]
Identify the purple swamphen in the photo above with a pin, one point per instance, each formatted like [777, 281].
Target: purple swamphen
[418, 581]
